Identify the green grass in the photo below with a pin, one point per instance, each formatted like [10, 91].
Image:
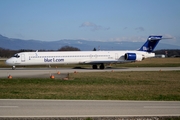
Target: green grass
[154, 62]
[162, 85]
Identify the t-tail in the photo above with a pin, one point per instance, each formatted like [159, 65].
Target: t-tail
[150, 44]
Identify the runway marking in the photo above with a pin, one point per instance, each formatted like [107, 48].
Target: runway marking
[162, 107]
[66, 116]
[9, 106]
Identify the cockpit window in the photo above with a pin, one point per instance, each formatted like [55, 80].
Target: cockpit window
[16, 55]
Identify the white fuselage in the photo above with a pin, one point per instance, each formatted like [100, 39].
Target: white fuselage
[76, 57]
[85, 57]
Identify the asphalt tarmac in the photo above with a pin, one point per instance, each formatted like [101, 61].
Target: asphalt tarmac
[87, 108]
[46, 72]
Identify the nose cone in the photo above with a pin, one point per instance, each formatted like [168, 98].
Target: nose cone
[9, 62]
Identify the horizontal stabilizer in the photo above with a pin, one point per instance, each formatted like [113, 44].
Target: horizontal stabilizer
[154, 37]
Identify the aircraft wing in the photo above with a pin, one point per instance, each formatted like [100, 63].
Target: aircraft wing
[100, 62]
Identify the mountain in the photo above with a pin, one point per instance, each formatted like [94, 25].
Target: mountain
[16, 44]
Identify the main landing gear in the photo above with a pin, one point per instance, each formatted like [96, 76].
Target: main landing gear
[94, 66]
[100, 67]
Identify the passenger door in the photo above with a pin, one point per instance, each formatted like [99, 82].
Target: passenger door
[116, 56]
[22, 57]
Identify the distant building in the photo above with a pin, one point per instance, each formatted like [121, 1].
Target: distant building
[160, 56]
[175, 56]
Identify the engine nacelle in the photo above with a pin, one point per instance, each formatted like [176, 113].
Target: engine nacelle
[133, 57]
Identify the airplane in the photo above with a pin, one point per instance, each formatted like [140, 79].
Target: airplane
[94, 58]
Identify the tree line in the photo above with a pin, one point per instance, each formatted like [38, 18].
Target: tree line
[169, 53]
[6, 53]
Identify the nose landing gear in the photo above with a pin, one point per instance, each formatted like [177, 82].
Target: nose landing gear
[13, 67]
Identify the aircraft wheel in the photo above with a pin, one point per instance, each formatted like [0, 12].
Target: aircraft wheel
[94, 66]
[101, 66]
[13, 67]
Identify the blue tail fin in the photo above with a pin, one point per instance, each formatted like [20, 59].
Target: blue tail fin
[150, 44]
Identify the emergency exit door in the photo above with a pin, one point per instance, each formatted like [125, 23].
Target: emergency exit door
[116, 56]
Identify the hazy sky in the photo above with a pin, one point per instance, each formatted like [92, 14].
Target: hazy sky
[102, 20]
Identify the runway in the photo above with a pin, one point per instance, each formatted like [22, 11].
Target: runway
[46, 72]
[87, 108]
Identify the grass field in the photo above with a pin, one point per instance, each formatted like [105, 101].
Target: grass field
[155, 62]
[162, 85]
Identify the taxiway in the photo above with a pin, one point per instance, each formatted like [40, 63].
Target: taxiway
[46, 72]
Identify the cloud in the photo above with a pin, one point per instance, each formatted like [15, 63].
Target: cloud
[88, 24]
[19, 35]
[125, 28]
[140, 29]
[93, 26]
[168, 36]
[129, 39]
[170, 39]
[79, 42]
